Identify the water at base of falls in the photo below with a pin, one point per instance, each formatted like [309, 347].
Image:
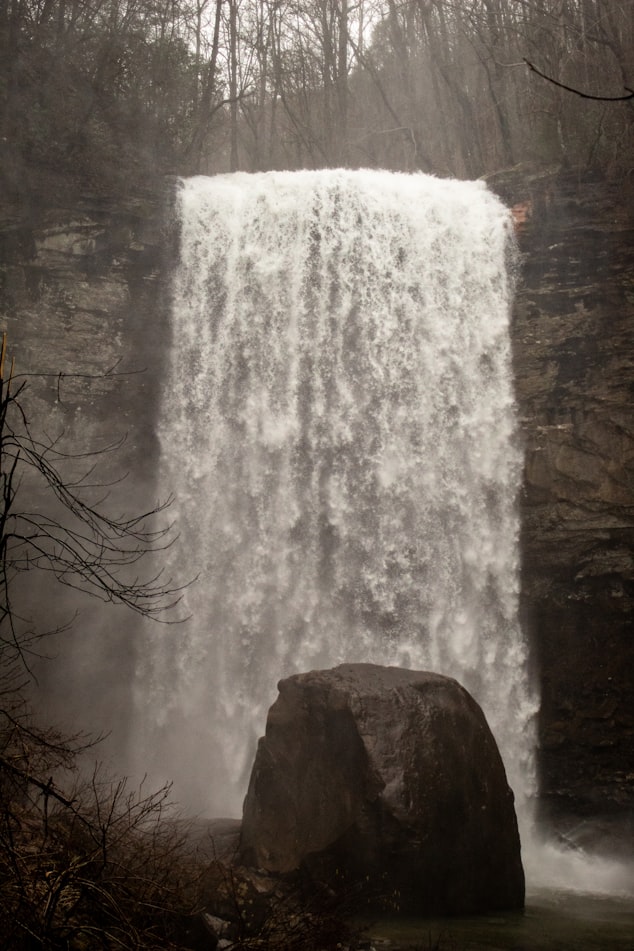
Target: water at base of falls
[338, 427]
[551, 921]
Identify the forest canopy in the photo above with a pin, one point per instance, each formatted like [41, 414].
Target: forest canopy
[110, 92]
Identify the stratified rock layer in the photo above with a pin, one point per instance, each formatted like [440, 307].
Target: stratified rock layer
[390, 778]
[573, 340]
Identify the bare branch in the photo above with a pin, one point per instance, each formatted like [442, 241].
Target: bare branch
[578, 92]
[77, 540]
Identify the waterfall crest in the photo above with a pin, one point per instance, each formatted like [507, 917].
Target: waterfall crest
[339, 431]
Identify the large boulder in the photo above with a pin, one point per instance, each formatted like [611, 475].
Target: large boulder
[386, 781]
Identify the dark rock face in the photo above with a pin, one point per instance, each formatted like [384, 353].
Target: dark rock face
[388, 777]
[83, 291]
[83, 297]
[573, 338]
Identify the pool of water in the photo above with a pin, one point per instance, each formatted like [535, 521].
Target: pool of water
[551, 921]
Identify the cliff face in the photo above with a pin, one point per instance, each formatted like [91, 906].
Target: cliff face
[82, 296]
[83, 287]
[83, 292]
[573, 337]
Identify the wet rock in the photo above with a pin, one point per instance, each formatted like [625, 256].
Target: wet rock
[574, 368]
[389, 782]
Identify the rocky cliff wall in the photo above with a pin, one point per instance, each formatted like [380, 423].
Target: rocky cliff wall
[573, 337]
[84, 289]
[83, 296]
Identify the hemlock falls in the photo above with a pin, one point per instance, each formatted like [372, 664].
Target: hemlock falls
[339, 431]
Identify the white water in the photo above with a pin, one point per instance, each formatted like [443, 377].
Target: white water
[339, 431]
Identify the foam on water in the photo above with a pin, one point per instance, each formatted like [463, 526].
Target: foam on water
[559, 869]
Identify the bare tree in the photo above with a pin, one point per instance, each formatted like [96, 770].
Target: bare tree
[67, 535]
[83, 862]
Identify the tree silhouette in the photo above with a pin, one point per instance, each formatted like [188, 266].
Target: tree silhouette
[67, 535]
[84, 863]
[629, 93]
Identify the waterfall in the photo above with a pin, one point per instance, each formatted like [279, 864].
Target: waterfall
[339, 430]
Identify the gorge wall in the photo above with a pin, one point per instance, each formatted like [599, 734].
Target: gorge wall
[83, 297]
[573, 336]
[84, 285]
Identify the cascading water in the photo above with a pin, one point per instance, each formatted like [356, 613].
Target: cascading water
[339, 431]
